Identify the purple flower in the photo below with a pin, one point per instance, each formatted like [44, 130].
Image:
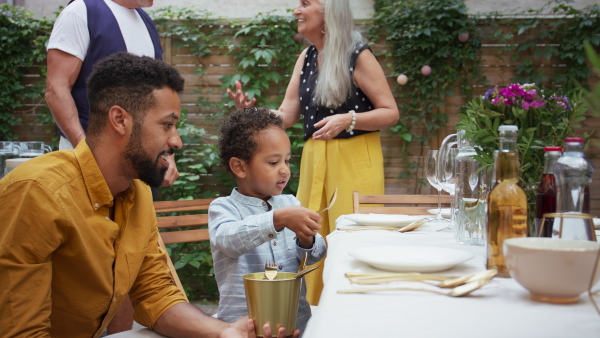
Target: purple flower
[531, 94]
[490, 93]
[525, 96]
[498, 100]
[561, 101]
[566, 101]
[533, 104]
[512, 91]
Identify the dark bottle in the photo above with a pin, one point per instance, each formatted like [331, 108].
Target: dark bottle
[545, 201]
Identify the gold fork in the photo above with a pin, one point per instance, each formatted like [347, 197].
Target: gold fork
[270, 270]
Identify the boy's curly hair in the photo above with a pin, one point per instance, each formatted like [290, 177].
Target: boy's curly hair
[238, 133]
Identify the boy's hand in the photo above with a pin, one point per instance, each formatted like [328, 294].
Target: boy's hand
[302, 221]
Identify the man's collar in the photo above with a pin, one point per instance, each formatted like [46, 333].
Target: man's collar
[95, 184]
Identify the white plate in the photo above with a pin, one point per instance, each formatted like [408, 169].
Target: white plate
[382, 219]
[445, 212]
[411, 258]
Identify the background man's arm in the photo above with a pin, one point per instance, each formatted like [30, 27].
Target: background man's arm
[63, 69]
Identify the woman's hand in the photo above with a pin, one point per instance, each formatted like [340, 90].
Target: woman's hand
[239, 98]
[332, 126]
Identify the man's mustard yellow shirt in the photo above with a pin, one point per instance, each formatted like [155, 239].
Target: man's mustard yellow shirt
[65, 265]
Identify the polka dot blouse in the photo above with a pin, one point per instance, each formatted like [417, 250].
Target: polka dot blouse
[312, 114]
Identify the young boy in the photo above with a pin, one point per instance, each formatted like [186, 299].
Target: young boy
[256, 223]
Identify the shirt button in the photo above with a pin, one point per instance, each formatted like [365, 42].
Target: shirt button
[96, 205]
[274, 243]
[271, 236]
[114, 299]
[280, 267]
[264, 203]
[107, 218]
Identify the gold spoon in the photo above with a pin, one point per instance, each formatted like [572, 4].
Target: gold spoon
[458, 291]
[331, 201]
[302, 265]
[305, 271]
[329, 205]
[449, 283]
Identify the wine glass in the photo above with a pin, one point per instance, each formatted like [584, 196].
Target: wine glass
[431, 172]
[448, 176]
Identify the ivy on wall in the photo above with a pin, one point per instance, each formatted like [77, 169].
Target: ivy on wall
[559, 44]
[427, 43]
[23, 41]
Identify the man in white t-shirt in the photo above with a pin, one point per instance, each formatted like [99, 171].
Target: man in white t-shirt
[68, 49]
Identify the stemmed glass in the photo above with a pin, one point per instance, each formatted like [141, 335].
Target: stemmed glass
[448, 177]
[431, 172]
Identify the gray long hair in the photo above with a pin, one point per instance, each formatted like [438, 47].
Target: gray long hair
[334, 81]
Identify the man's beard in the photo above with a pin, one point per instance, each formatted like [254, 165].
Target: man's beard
[147, 169]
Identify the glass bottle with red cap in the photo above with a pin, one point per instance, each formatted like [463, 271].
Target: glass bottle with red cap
[573, 173]
[546, 193]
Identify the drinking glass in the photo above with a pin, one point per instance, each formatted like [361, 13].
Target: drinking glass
[33, 149]
[431, 172]
[448, 177]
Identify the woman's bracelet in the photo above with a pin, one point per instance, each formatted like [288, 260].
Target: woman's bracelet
[352, 124]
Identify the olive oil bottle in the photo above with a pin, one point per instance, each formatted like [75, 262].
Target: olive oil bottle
[507, 202]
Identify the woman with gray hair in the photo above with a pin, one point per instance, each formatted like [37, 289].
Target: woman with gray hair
[340, 90]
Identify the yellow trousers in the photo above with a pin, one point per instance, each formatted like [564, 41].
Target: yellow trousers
[347, 164]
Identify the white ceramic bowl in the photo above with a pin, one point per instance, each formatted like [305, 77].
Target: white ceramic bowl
[551, 269]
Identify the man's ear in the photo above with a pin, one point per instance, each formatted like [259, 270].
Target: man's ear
[238, 167]
[120, 120]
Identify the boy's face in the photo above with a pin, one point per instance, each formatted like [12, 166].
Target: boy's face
[268, 171]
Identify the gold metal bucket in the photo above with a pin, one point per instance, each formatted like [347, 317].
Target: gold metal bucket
[273, 301]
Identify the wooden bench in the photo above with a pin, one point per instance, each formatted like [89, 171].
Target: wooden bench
[175, 223]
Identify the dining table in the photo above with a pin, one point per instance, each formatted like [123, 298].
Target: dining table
[501, 308]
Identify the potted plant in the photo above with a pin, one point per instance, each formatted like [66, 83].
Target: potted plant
[544, 118]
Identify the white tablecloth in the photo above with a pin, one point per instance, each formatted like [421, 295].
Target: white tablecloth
[137, 333]
[500, 309]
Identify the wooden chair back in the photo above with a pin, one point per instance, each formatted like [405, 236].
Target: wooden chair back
[175, 223]
[396, 204]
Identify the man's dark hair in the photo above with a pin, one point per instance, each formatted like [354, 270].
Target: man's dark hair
[239, 132]
[127, 81]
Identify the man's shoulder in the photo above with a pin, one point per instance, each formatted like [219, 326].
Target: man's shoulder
[52, 170]
[76, 7]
